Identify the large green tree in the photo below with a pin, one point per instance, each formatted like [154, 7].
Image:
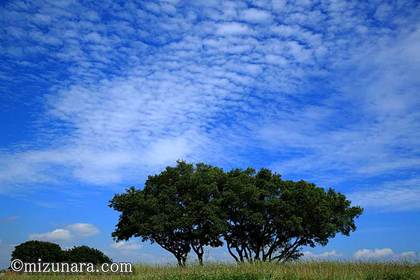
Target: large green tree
[178, 209]
[270, 219]
[260, 216]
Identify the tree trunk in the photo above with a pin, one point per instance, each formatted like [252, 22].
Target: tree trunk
[200, 258]
[181, 261]
[231, 253]
[199, 251]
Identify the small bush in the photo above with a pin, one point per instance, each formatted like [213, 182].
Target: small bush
[85, 254]
[32, 251]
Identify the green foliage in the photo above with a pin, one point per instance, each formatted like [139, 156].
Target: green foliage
[177, 209]
[270, 219]
[32, 251]
[260, 216]
[85, 254]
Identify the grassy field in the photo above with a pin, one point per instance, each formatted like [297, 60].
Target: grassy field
[307, 271]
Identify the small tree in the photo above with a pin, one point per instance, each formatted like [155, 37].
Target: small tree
[85, 254]
[178, 209]
[32, 251]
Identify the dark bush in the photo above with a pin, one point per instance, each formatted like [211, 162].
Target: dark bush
[33, 250]
[85, 254]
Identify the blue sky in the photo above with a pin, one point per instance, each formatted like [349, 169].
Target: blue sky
[94, 96]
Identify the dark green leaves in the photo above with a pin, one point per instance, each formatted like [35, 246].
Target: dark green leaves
[178, 209]
[259, 215]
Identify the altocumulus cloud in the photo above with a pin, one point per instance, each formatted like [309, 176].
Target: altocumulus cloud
[325, 86]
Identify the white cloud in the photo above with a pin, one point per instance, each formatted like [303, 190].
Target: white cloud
[233, 28]
[131, 249]
[379, 96]
[373, 253]
[255, 15]
[83, 229]
[382, 254]
[202, 84]
[165, 151]
[328, 254]
[126, 246]
[57, 235]
[67, 233]
[392, 196]
[408, 255]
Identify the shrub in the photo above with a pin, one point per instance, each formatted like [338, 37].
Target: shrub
[33, 250]
[85, 254]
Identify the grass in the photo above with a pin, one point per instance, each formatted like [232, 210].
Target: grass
[262, 271]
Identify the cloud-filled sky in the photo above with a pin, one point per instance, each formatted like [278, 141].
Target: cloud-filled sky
[94, 96]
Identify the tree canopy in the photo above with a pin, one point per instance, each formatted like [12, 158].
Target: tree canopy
[33, 250]
[260, 216]
[178, 209]
[85, 254]
[271, 219]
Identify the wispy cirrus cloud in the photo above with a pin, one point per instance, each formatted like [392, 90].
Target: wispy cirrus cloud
[398, 195]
